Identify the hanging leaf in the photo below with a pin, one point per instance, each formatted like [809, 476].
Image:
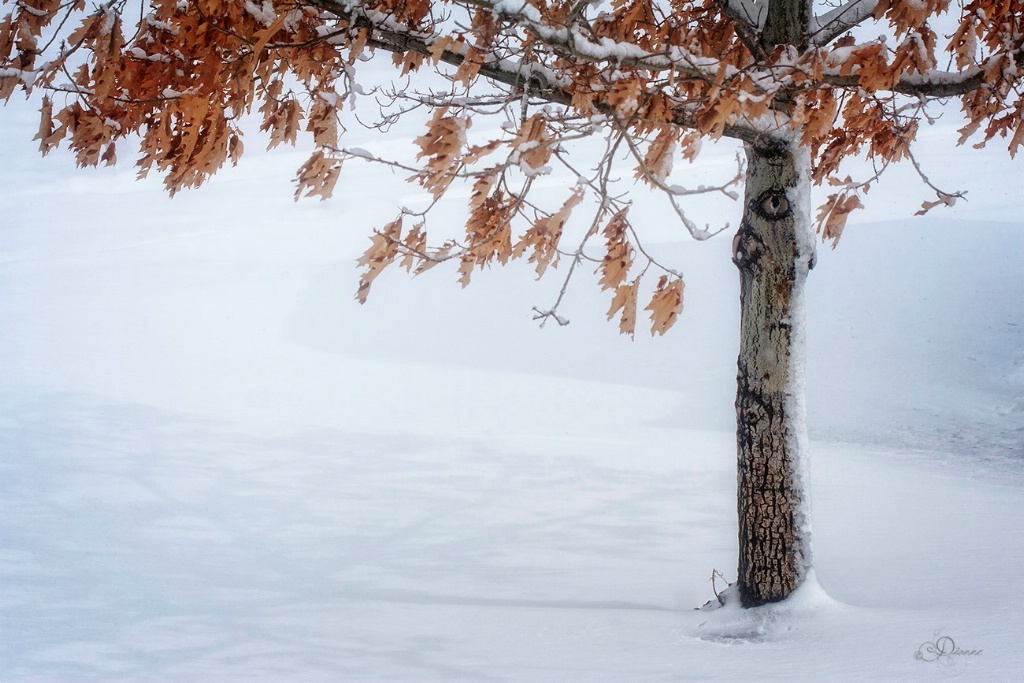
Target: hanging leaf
[624, 300]
[666, 304]
[832, 215]
[544, 235]
[618, 258]
[382, 252]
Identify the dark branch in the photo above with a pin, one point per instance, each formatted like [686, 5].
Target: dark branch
[516, 78]
[748, 32]
[506, 73]
[945, 85]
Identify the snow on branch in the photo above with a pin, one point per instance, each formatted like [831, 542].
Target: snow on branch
[932, 84]
[829, 26]
[751, 12]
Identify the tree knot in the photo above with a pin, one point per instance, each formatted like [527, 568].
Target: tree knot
[772, 205]
[747, 248]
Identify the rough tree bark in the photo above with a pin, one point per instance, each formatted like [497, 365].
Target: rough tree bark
[774, 250]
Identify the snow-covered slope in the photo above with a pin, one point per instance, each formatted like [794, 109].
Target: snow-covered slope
[214, 465]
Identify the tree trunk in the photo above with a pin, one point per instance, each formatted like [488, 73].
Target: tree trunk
[774, 250]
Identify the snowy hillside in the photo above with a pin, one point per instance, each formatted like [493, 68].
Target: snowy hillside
[216, 466]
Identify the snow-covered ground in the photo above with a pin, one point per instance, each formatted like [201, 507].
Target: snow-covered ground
[215, 466]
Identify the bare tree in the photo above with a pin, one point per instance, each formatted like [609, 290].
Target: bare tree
[799, 85]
